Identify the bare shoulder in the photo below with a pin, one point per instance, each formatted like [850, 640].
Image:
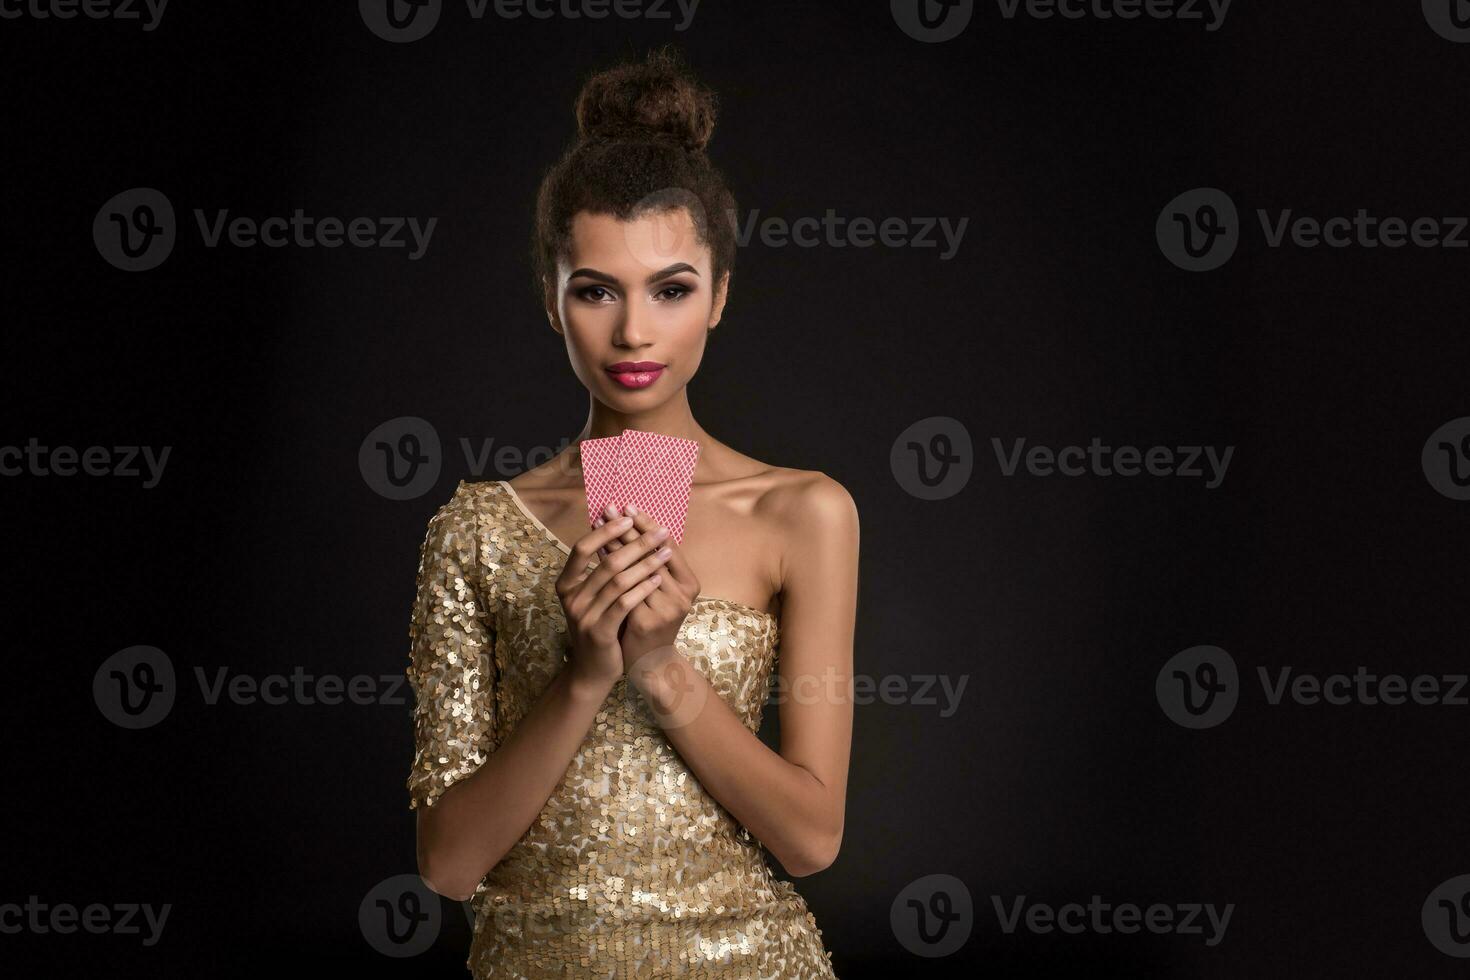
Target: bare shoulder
[809, 506]
[800, 495]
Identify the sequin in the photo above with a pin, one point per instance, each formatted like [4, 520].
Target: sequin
[632, 869]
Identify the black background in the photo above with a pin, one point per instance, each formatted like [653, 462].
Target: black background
[263, 549]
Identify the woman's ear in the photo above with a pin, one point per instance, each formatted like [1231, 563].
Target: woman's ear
[549, 298]
[722, 291]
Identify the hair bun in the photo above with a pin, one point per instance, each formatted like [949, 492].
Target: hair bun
[657, 99]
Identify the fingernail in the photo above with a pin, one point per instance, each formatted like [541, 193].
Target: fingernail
[597, 523]
[660, 534]
[665, 552]
[610, 511]
[631, 508]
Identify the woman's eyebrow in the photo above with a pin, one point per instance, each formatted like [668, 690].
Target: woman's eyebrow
[672, 270]
[675, 269]
[593, 274]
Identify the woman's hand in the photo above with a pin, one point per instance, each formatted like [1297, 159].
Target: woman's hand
[653, 624]
[595, 603]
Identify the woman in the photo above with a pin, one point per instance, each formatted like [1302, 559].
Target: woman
[587, 769]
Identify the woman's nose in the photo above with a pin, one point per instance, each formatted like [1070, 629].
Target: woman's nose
[633, 328]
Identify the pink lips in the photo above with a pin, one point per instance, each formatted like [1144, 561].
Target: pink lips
[635, 374]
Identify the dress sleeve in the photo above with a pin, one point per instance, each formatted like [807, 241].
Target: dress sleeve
[451, 656]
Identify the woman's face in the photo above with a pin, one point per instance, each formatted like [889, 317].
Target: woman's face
[635, 303]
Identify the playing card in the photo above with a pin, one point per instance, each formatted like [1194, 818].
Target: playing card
[599, 473]
[655, 472]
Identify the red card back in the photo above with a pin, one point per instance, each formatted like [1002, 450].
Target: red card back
[655, 472]
[599, 473]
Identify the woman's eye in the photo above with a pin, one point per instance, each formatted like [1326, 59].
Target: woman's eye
[588, 293]
[673, 292]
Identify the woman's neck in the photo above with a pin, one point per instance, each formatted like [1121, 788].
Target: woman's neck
[673, 418]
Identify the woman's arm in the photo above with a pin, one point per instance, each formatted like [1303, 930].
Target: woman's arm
[476, 799]
[478, 820]
[792, 802]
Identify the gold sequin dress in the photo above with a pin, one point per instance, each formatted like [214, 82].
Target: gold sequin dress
[631, 869]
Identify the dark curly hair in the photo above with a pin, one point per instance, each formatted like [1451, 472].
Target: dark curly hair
[642, 127]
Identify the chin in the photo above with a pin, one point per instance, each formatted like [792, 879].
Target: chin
[618, 396]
